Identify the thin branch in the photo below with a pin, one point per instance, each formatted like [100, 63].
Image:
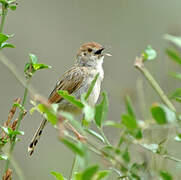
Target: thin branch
[4, 13]
[21, 115]
[139, 64]
[105, 138]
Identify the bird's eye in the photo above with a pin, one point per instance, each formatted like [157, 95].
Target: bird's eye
[89, 50]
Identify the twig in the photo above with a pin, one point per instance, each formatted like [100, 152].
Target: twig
[105, 138]
[165, 156]
[4, 13]
[21, 115]
[139, 64]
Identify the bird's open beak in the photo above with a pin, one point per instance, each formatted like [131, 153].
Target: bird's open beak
[107, 54]
[99, 51]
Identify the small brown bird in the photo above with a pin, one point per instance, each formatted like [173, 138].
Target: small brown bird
[77, 81]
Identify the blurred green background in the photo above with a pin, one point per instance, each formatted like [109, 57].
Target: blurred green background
[54, 30]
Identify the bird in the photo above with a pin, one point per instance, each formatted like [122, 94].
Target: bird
[76, 81]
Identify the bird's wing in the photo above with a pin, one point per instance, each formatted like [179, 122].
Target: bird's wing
[70, 81]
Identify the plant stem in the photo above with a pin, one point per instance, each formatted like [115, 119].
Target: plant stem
[139, 64]
[20, 117]
[105, 138]
[74, 166]
[165, 156]
[4, 13]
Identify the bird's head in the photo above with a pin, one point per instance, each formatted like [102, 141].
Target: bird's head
[90, 54]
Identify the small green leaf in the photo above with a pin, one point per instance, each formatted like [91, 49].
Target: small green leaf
[162, 115]
[95, 134]
[19, 106]
[75, 147]
[89, 113]
[91, 86]
[3, 38]
[17, 133]
[136, 133]
[126, 156]
[176, 95]
[33, 58]
[174, 55]
[50, 114]
[113, 124]
[5, 129]
[165, 175]
[57, 175]
[3, 157]
[101, 174]
[13, 7]
[178, 138]
[174, 39]
[71, 99]
[151, 147]
[89, 173]
[129, 107]
[176, 75]
[149, 54]
[40, 66]
[7, 45]
[129, 122]
[101, 110]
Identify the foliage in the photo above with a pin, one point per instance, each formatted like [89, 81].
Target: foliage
[88, 138]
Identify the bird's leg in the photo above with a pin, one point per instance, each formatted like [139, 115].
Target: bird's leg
[78, 135]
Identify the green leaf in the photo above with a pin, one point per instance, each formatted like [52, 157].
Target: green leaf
[40, 66]
[50, 114]
[162, 115]
[7, 45]
[178, 138]
[5, 129]
[149, 53]
[95, 134]
[16, 132]
[10, 132]
[174, 39]
[176, 95]
[89, 173]
[71, 99]
[129, 122]
[33, 58]
[91, 86]
[174, 55]
[129, 107]
[3, 157]
[75, 147]
[13, 7]
[136, 133]
[89, 113]
[101, 110]
[176, 75]
[19, 106]
[152, 147]
[126, 156]
[113, 124]
[3, 38]
[101, 174]
[57, 175]
[165, 175]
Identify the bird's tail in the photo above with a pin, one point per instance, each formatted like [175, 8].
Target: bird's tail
[36, 137]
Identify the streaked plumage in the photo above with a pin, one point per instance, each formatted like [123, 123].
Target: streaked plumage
[76, 81]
